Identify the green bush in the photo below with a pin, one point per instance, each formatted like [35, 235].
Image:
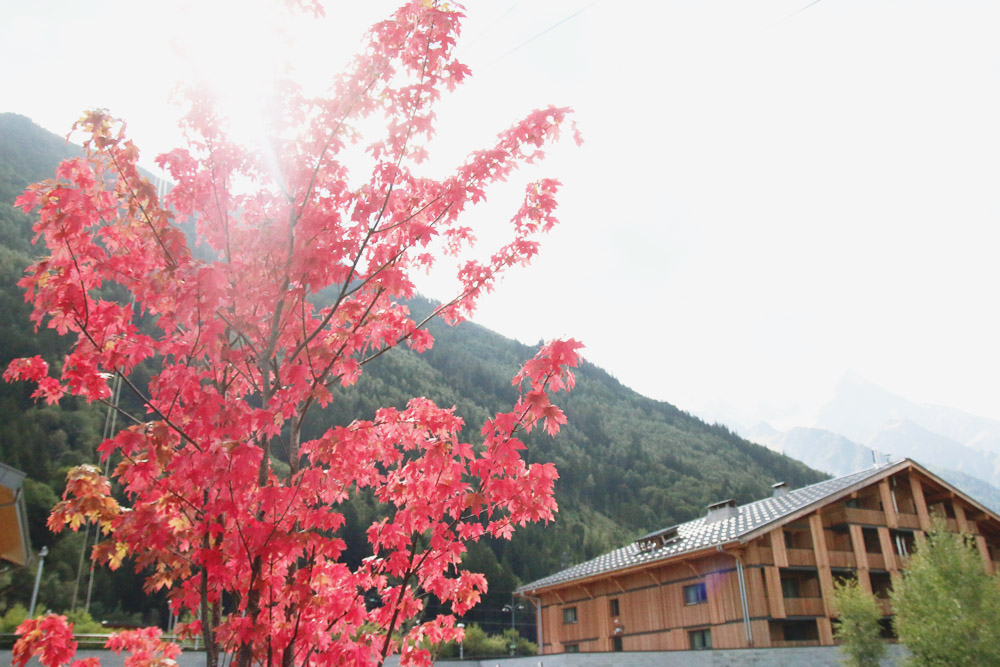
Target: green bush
[84, 624]
[857, 625]
[947, 609]
[524, 647]
[13, 618]
[480, 644]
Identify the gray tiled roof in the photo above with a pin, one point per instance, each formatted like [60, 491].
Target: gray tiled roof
[697, 534]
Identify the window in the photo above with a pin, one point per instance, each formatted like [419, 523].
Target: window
[881, 584]
[569, 615]
[572, 648]
[695, 594]
[886, 629]
[902, 541]
[700, 639]
[615, 609]
[872, 543]
[616, 644]
[790, 588]
[799, 631]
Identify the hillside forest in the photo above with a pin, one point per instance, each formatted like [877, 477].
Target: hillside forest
[627, 464]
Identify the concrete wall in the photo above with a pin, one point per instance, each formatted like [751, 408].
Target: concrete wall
[809, 656]
[812, 656]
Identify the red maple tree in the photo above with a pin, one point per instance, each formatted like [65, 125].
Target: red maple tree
[243, 349]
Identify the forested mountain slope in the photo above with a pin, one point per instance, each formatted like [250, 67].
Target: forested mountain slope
[627, 464]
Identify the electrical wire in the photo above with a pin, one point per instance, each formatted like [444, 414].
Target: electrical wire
[489, 28]
[546, 31]
[797, 11]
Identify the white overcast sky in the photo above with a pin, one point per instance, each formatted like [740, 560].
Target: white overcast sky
[771, 193]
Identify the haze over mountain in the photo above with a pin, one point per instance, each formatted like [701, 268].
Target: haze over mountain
[860, 410]
[863, 422]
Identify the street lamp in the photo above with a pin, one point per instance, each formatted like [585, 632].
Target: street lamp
[38, 579]
[461, 643]
[513, 608]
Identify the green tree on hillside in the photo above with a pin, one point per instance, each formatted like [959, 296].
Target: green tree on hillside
[947, 608]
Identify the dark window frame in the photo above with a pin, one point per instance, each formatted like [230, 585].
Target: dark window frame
[614, 607]
[695, 594]
[700, 640]
[791, 588]
[570, 616]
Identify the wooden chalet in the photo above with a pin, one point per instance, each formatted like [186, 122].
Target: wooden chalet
[14, 548]
[757, 575]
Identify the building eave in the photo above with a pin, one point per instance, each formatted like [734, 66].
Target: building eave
[668, 559]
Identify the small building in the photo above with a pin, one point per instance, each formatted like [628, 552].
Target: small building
[14, 547]
[756, 575]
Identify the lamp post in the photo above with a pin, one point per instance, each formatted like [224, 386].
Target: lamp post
[513, 608]
[461, 643]
[38, 579]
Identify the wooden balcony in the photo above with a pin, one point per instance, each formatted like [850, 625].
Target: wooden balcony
[842, 559]
[865, 517]
[801, 557]
[804, 606]
[885, 605]
[908, 520]
[761, 555]
[876, 562]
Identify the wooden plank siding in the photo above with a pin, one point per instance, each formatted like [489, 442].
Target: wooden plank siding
[822, 560]
[778, 546]
[984, 554]
[888, 504]
[797, 558]
[12, 539]
[891, 562]
[917, 489]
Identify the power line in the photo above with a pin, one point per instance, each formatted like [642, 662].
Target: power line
[547, 30]
[798, 11]
[466, 47]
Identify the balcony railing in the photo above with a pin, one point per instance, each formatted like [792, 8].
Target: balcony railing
[804, 607]
[857, 515]
[908, 520]
[842, 559]
[885, 605]
[876, 561]
[801, 557]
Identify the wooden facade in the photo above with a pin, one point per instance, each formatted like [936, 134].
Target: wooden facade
[13, 518]
[771, 587]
